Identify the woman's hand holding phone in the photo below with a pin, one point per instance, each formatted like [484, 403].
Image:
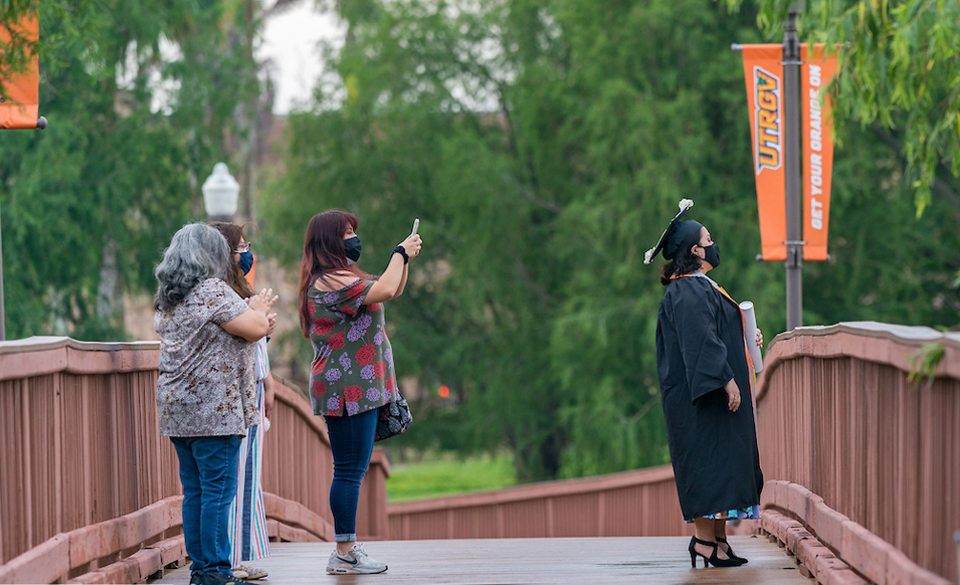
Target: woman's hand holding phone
[412, 245]
[413, 242]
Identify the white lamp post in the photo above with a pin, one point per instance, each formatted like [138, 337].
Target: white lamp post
[220, 192]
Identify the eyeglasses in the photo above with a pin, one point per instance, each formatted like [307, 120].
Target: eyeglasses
[243, 248]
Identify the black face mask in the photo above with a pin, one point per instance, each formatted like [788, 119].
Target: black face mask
[712, 254]
[352, 248]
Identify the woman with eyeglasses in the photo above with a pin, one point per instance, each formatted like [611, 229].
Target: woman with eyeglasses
[205, 390]
[248, 522]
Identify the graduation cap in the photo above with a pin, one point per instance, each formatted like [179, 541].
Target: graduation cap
[677, 234]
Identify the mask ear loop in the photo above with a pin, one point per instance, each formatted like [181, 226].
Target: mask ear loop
[691, 243]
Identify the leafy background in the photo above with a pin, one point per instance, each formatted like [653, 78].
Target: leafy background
[542, 143]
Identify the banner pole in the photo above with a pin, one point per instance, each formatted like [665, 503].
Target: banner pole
[791, 147]
[3, 323]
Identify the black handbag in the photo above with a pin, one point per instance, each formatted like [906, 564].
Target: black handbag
[394, 419]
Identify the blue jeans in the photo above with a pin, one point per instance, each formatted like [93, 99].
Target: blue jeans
[208, 472]
[351, 440]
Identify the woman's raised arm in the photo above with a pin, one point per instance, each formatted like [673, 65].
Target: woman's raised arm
[394, 278]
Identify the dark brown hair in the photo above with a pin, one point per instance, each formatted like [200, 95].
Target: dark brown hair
[684, 262]
[234, 234]
[324, 254]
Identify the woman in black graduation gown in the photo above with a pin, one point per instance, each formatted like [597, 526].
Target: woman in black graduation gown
[706, 385]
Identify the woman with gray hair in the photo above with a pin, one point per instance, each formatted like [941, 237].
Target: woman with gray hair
[205, 392]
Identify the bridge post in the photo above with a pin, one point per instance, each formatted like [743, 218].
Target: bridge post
[3, 323]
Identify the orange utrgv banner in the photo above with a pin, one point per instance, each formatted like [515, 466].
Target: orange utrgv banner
[816, 127]
[19, 96]
[764, 74]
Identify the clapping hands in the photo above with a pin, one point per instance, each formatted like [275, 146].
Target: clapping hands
[263, 302]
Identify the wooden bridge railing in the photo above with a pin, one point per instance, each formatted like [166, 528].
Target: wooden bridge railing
[862, 467]
[863, 459]
[633, 503]
[89, 491]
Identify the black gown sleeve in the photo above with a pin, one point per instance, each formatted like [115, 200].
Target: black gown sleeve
[697, 315]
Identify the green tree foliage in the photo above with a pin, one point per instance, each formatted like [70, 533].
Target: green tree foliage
[543, 144]
[139, 95]
[899, 71]
[899, 77]
[887, 265]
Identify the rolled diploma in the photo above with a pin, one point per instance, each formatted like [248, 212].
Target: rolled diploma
[750, 335]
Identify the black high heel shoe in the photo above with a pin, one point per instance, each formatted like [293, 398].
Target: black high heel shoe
[712, 559]
[730, 552]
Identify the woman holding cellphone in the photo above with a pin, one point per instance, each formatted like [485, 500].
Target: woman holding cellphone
[352, 376]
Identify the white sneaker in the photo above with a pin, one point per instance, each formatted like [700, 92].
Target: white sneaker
[249, 573]
[355, 561]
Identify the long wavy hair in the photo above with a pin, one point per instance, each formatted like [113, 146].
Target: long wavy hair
[234, 234]
[323, 255]
[684, 262]
[196, 252]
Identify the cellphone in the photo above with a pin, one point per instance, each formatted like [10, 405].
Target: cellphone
[416, 224]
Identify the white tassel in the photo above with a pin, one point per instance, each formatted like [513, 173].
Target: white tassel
[686, 204]
[648, 256]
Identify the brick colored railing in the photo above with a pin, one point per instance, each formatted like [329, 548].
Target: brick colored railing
[862, 467]
[89, 491]
[634, 503]
[865, 460]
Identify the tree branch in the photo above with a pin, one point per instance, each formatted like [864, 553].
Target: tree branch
[482, 72]
[940, 187]
[279, 7]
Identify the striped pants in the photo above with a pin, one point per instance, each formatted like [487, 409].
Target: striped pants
[248, 520]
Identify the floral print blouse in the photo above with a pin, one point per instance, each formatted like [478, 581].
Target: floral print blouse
[206, 384]
[353, 363]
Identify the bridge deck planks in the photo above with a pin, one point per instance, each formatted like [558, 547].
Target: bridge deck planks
[555, 561]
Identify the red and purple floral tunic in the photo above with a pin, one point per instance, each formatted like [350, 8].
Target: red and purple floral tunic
[353, 363]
